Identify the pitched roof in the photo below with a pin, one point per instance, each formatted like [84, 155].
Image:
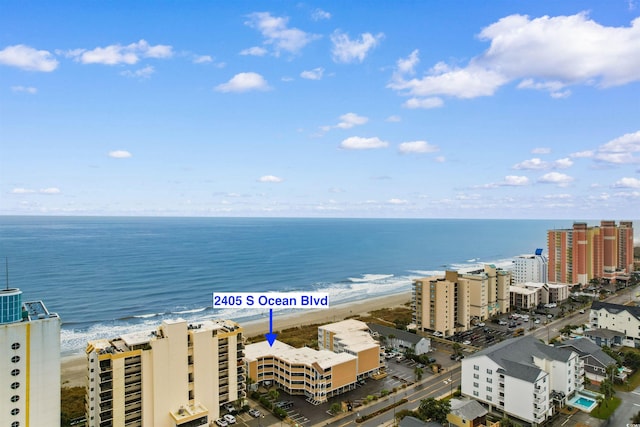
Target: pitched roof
[385, 331]
[616, 308]
[515, 356]
[584, 347]
[467, 409]
[604, 333]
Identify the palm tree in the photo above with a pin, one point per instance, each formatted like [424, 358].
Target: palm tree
[418, 373]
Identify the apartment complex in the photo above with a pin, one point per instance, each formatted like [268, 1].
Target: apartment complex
[29, 362]
[447, 304]
[347, 353]
[529, 294]
[522, 377]
[623, 319]
[582, 253]
[176, 375]
[530, 268]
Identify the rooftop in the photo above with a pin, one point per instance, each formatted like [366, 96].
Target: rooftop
[385, 331]
[467, 409]
[616, 308]
[300, 356]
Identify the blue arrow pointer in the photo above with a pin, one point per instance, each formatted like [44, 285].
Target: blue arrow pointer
[271, 337]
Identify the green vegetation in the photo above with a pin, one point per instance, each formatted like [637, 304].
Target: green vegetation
[71, 404]
[605, 408]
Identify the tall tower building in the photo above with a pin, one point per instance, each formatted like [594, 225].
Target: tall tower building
[29, 362]
[176, 375]
[530, 268]
[582, 253]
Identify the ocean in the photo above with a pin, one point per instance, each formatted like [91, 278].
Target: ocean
[107, 276]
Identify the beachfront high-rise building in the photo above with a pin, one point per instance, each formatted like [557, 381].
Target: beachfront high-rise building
[176, 375]
[448, 304]
[582, 253]
[29, 362]
[530, 268]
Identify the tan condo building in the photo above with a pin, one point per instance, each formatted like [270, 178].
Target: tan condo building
[176, 375]
[347, 354]
[447, 304]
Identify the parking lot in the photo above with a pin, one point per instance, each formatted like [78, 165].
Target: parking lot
[398, 374]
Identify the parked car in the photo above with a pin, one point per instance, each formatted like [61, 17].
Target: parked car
[229, 418]
[221, 422]
[230, 408]
[480, 324]
[467, 342]
[502, 322]
[582, 311]
[254, 412]
[438, 334]
[431, 360]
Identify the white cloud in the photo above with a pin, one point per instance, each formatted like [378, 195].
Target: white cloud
[349, 120]
[359, 143]
[315, 74]
[270, 178]
[393, 119]
[582, 154]
[117, 54]
[142, 73]
[276, 33]
[397, 202]
[22, 191]
[426, 103]
[346, 50]
[244, 82]
[541, 150]
[47, 191]
[545, 53]
[563, 196]
[557, 178]
[619, 150]
[26, 89]
[202, 59]
[417, 147]
[514, 180]
[254, 51]
[119, 154]
[50, 190]
[28, 58]
[440, 159]
[532, 164]
[539, 164]
[319, 14]
[627, 183]
[407, 65]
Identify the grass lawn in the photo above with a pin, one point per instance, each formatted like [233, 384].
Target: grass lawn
[606, 408]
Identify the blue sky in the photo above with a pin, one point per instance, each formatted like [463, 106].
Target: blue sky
[434, 109]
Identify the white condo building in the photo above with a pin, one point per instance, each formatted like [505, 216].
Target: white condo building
[522, 377]
[176, 375]
[530, 268]
[29, 362]
[624, 319]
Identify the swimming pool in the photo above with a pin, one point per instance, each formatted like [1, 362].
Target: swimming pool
[583, 403]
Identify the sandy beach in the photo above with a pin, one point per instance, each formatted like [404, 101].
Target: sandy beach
[73, 369]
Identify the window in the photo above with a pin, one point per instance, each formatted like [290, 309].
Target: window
[488, 398]
[475, 384]
[15, 359]
[489, 380]
[15, 372]
[489, 371]
[15, 411]
[15, 398]
[476, 367]
[476, 376]
[15, 424]
[489, 388]
[15, 346]
[15, 385]
[475, 393]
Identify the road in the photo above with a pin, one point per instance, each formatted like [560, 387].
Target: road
[436, 386]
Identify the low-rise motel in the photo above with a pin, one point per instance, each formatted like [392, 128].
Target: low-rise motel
[347, 353]
[176, 375]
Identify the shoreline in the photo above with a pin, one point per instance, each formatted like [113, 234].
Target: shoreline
[73, 371]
